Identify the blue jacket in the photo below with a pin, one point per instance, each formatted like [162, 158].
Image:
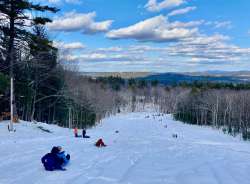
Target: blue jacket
[63, 157]
[51, 162]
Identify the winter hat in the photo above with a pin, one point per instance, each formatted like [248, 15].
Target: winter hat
[60, 148]
[55, 150]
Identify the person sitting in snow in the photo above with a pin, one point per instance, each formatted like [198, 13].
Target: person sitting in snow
[76, 132]
[64, 158]
[175, 136]
[84, 134]
[100, 143]
[51, 161]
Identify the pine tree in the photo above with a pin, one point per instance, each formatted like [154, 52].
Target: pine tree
[15, 30]
[15, 23]
[42, 67]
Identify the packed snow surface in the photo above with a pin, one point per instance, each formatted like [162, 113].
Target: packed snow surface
[144, 151]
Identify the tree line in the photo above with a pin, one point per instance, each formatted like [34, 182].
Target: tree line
[224, 106]
[226, 109]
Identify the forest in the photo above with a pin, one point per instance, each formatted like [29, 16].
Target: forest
[221, 105]
[28, 55]
[46, 91]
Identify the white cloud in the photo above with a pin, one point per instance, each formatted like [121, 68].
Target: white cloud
[225, 24]
[4, 19]
[103, 57]
[110, 49]
[73, 1]
[67, 50]
[57, 2]
[206, 40]
[69, 46]
[155, 6]
[219, 24]
[200, 47]
[156, 29]
[201, 50]
[54, 1]
[178, 24]
[182, 11]
[208, 48]
[85, 23]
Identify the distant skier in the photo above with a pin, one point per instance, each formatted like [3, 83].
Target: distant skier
[100, 143]
[175, 136]
[76, 132]
[51, 161]
[84, 134]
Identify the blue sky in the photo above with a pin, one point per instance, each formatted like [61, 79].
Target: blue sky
[152, 35]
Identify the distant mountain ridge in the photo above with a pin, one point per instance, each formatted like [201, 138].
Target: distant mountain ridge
[172, 77]
[211, 76]
[125, 75]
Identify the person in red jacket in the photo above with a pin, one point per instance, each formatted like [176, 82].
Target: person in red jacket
[100, 143]
[76, 132]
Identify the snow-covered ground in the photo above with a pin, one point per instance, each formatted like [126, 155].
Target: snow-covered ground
[143, 151]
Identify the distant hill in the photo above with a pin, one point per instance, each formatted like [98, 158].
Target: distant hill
[225, 77]
[170, 78]
[125, 75]
[218, 73]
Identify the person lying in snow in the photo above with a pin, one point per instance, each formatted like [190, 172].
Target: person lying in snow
[100, 143]
[52, 161]
[84, 134]
[64, 158]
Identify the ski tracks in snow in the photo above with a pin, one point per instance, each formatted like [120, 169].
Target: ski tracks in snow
[143, 152]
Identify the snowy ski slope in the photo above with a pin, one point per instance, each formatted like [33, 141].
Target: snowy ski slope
[143, 151]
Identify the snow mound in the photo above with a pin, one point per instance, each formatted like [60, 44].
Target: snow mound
[143, 151]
